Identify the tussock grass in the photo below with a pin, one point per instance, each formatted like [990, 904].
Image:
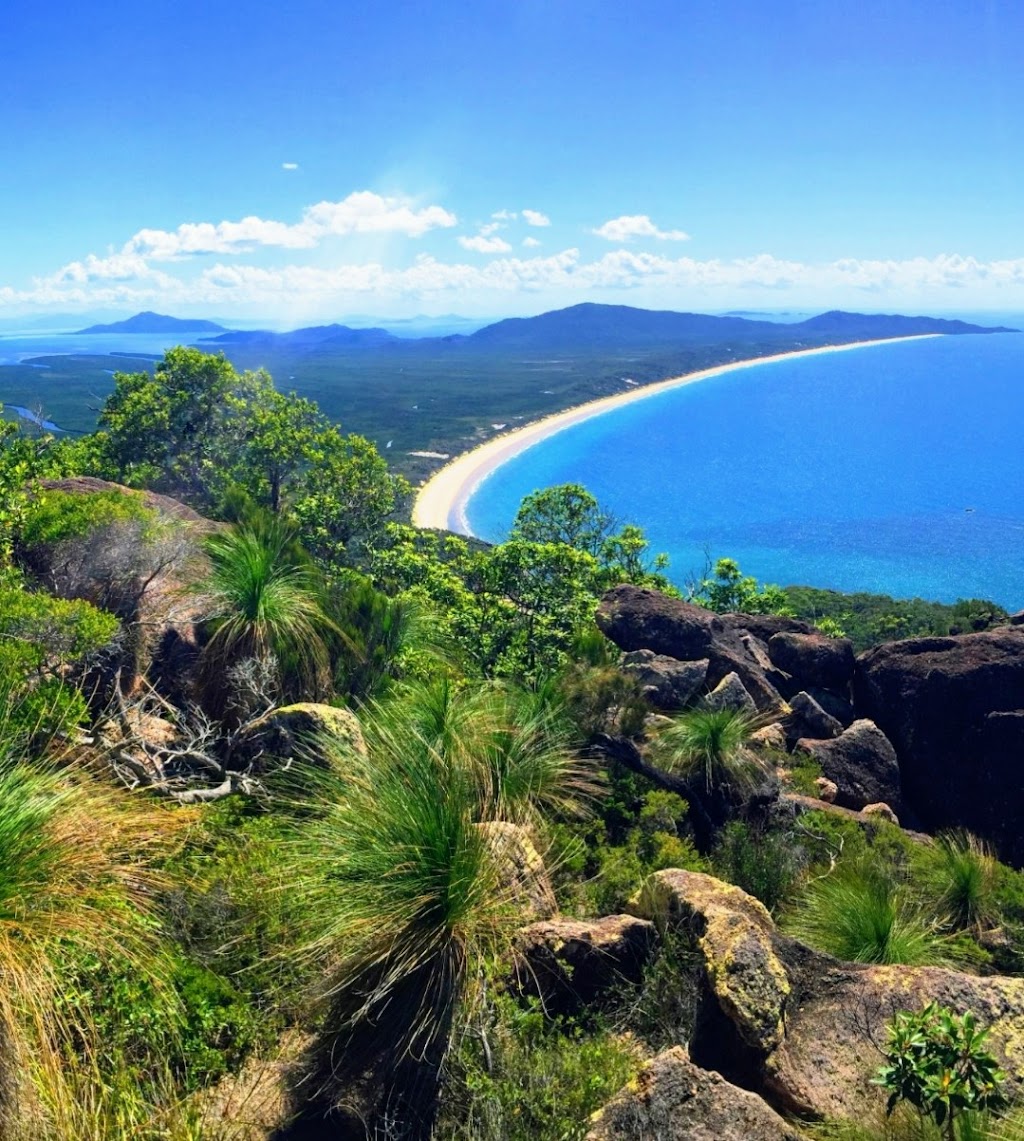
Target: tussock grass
[859, 914]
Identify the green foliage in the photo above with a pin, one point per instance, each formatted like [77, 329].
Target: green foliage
[383, 640]
[867, 619]
[765, 863]
[728, 590]
[522, 1075]
[569, 515]
[56, 516]
[960, 873]
[74, 883]
[860, 914]
[936, 1060]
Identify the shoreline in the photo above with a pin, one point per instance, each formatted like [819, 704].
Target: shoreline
[441, 502]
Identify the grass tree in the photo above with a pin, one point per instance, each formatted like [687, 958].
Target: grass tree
[264, 605]
[405, 880]
[708, 749]
[860, 914]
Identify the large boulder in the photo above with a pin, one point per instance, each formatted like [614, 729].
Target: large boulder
[801, 1028]
[636, 618]
[572, 963]
[954, 710]
[667, 683]
[673, 1100]
[522, 875]
[293, 731]
[814, 659]
[862, 763]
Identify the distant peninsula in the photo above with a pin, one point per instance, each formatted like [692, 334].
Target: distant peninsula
[155, 323]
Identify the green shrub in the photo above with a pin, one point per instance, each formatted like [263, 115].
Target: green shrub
[519, 1076]
[56, 516]
[936, 1060]
[764, 863]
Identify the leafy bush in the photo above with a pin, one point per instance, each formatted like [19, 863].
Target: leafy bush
[55, 516]
[764, 863]
[936, 1060]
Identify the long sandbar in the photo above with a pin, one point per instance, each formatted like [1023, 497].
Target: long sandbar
[441, 501]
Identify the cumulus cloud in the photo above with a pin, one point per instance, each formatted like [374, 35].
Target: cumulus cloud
[531, 242]
[484, 243]
[536, 218]
[630, 226]
[362, 212]
[505, 215]
[127, 280]
[289, 166]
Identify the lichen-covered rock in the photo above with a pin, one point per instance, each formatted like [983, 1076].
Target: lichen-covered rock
[862, 763]
[522, 875]
[827, 789]
[571, 963]
[671, 1099]
[734, 935]
[292, 731]
[769, 737]
[803, 1030]
[667, 683]
[881, 811]
[730, 693]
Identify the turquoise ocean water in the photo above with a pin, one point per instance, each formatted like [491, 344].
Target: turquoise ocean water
[895, 468]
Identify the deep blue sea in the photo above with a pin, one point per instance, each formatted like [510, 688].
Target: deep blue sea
[893, 468]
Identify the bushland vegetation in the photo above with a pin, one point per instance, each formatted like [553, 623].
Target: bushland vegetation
[192, 889]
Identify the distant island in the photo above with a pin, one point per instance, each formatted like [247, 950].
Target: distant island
[155, 323]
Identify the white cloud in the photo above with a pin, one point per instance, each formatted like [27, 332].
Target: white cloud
[505, 215]
[482, 243]
[491, 228]
[128, 281]
[536, 218]
[362, 212]
[289, 166]
[629, 226]
[531, 242]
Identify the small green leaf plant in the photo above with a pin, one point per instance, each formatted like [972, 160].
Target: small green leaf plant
[936, 1060]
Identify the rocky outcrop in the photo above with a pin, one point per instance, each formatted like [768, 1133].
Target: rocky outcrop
[954, 710]
[667, 683]
[813, 659]
[862, 764]
[571, 963]
[635, 618]
[798, 1027]
[671, 1099]
[293, 731]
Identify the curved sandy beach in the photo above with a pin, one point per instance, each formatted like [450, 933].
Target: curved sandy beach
[441, 501]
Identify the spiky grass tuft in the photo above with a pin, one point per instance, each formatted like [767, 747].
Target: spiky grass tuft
[860, 915]
[711, 746]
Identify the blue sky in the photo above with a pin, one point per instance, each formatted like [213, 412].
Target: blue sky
[320, 159]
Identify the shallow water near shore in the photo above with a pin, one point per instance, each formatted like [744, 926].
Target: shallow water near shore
[895, 468]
